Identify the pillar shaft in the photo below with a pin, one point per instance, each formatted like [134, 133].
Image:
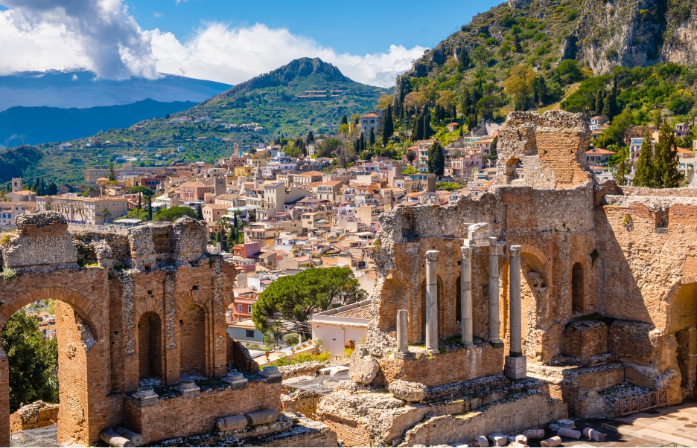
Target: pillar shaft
[516, 347]
[495, 251]
[466, 294]
[432, 301]
[402, 331]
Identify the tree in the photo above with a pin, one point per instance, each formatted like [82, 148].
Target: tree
[199, 213]
[621, 163]
[112, 172]
[309, 138]
[296, 297]
[436, 159]
[493, 154]
[371, 137]
[149, 207]
[428, 132]
[539, 88]
[411, 156]
[415, 101]
[599, 102]
[463, 57]
[481, 55]
[610, 106]
[645, 172]
[486, 107]
[146, 191]
[174, 213]
[418, 131]
[291, 339]
[446, 99]
[520, 81]
[344, 120]
[569, 71]
[105, 214]
[387, 127]
[385, 101]
[33, 361]
[666, 160]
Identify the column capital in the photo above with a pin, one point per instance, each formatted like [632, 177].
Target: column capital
[466, 251]
[496, 246]
[514, 250]
[432, 255]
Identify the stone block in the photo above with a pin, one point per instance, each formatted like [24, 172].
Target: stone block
[408, 391]
[515, 367]
[585, 338]
[271, 375]
[363, 368]
[498, 439]
[237, 381]
[189, 389]
[145, 397]
[630, 338]
[478, 234]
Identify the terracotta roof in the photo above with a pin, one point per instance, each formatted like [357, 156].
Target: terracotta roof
[216, 206]
[361, 312]
[311, 173]
[369, 115]
[598, 151]
[685, 151]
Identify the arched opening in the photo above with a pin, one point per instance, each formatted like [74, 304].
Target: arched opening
[681, 321]
[514, 171]
[192, 350]
[578, 289]
[441, 309]
[458, 304]
[534, 309]
[393, 297]
[150, 353]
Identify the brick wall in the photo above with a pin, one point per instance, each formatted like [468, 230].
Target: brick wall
[351, 434]
[179, 417]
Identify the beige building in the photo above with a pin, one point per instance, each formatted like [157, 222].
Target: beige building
[301, 180]
[84, 210]
[213, 212]
[330, 190]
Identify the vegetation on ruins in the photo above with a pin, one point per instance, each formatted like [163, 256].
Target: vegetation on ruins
[174, 213]
[33, 361]
[295, 297]
[301, 358]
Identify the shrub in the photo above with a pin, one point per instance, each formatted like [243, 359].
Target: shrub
[9, 274]
[291, 339]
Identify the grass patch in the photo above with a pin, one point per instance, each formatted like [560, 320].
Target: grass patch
[299, 359]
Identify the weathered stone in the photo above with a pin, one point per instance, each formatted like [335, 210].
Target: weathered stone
[552, 441]
[261, 417]
[534, 433]
[111, 438]
[568, 432]
[135, 438]
[363, 368]
[231, 423]
[408, 391]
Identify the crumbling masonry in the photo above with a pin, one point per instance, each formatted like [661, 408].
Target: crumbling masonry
[549, 296]
[143, 348]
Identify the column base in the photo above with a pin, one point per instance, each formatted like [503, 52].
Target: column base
[515, 367]
[497, 343]
[403, 355]
[432, 351]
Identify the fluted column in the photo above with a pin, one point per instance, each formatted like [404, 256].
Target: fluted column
[466, 294]
[516, 335]
[495, 251]
[432, 301]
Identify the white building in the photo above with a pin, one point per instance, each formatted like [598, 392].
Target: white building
[337, 326]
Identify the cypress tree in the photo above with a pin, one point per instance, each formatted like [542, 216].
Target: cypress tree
[418, 133]
[608, 109]
[645, 172]
[199, 213]
[436, 159]
[463, 57]
[344, 120]
[599, 103]
[666, 165]
[428, 132]
[149, 208]
[371, 137]
[387, 127]
[310, 137]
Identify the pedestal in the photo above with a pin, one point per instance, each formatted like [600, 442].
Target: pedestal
[515, 367]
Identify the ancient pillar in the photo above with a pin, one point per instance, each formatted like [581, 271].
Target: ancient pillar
[466, 294]
[432, 301]
[515, 366]
[516, 338]
[402, 333]
[495, 252]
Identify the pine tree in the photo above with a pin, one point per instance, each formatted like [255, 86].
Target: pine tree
[645, 171]
[666, 174]
[599, 102]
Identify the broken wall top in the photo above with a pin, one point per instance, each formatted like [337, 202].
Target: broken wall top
[551, 148]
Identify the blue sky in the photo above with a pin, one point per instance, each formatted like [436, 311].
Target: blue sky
[355, 27]
[224, 40]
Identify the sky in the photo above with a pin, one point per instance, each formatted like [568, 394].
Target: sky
[224, 40]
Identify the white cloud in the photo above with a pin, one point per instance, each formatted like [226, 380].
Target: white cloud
[100, 35]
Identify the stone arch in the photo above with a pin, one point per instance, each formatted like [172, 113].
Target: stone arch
[149, 305]
[83, 307]
[200, 298]
[84, 367]
[151, 353]
[194, 349]
[511, 172]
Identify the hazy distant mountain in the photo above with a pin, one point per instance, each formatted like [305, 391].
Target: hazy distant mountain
[82, 89]
[35, 125]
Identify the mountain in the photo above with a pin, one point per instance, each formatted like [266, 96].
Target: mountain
[35, 125]
[83, 89]
[306, 94]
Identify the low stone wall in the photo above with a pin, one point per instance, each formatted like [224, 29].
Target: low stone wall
[459, 365]
[35, 415]
[511, 414]
[166, 418]
[303, 402]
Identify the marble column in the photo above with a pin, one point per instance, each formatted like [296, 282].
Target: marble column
[495, 251]
[402, 333]
[516, 335]
[466, 294]
[515, 366]
[432, 301]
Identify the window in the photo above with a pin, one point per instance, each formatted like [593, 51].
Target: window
[239, 308]
[249, 333]
[249, 309]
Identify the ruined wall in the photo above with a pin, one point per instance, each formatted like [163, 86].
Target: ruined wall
[550, 146]
[41, 240]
